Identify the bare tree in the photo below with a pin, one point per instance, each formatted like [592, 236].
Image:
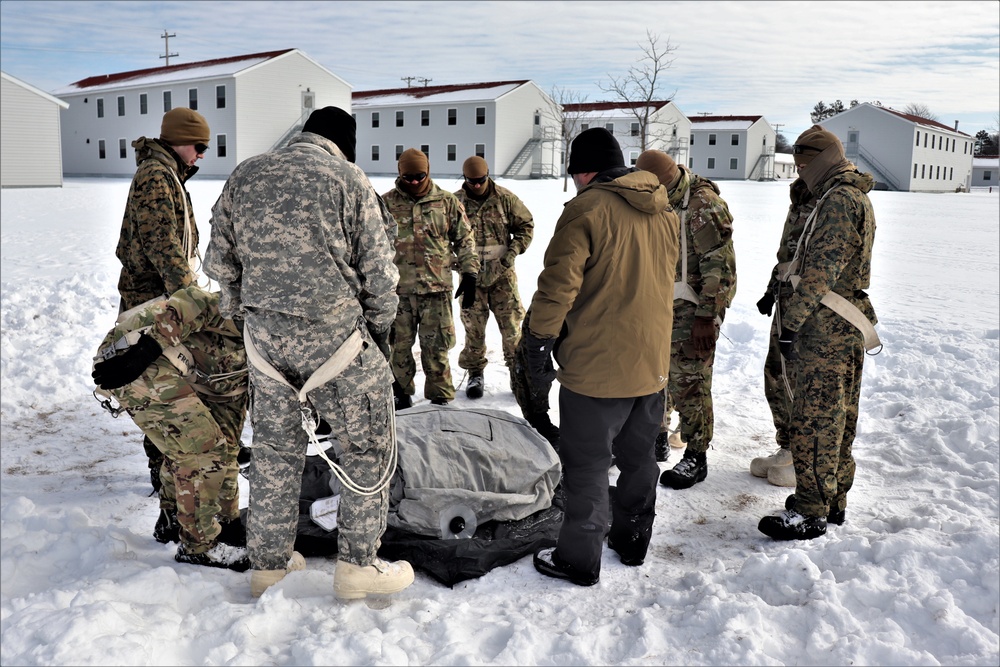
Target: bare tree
[919, 110]
[564, 108]
[641, 85]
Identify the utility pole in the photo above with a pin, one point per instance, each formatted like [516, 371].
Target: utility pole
[166, 47]
[424, 81]
[407, 79]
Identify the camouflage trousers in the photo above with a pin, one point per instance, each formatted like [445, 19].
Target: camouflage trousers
[199, 441]
[429, 317]
[824, 419]
[774, 388]
[531, 400]
[503, 300]
[689, 388]
[359, 413]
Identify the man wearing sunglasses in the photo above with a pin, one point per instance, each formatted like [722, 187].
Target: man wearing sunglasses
[431, 228]
[503, 229]
[158, 247]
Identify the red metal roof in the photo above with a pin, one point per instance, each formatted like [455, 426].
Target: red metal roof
[921, 121]
[103, 79]
[424, 91]
[608, 106]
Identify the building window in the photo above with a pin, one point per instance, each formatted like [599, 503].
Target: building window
[610, 127]
[933, 138]
[735, 140]
[734, 163]
[374, 153]
[399, 151]
[374, 118]
[538, 118]
[690, 163]
[480, 115]
[143, 104]
[193, 99]
[925, 140]
[634, 130]
[220, 97]
[914, 170]
[399, 119]
[122, 149]
[425, 117]
[167, 106]
[453, 116]
[711, 140]
[220, 145]
[711, 162]
[121, 105]
[481, 150]
[918, 138]
[100, 149]
[763, 141]
[425, 149]
[987, 175]
[938, 178]
[952, 145]
[923, 167]
[951, 173]
[584, 127]
[632, 157]
[451, 152]
[100, 107]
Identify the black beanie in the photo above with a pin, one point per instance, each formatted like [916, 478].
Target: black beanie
[336, 125]
[595, 149]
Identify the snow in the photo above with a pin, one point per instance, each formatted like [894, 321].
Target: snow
[155, 77]
[407, 96]
[912, 577]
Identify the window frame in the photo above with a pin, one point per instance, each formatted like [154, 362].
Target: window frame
[480, 117]
[220, 100]
[193, 99]
[221, 149]
[453, 116]
[121, 105]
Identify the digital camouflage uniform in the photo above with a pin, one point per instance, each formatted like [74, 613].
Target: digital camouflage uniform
[827, 375]
[503, 228]
[151, 246]
[774, 375]
[429, 231]
[193, 420]
[306, 276]
[711, 273]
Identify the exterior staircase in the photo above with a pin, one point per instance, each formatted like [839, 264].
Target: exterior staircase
[522, 157]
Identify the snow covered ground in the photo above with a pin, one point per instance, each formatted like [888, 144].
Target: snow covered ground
[912, 578]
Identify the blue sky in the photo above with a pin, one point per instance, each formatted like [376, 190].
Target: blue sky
[776, 59]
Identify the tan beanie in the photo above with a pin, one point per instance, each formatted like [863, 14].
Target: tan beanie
[184, 127]
[413, 161]
[475, 167]
[661, 164]
[814, 141]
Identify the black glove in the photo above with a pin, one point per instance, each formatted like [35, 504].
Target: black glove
[381, 340]
[786, 344]
[538, 356]
[467, 290]
[766, 304]
[128, 366]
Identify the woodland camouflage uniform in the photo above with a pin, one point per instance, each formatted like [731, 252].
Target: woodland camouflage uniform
[430, 229]
[503, 229]
[305, 277]
[195, 421]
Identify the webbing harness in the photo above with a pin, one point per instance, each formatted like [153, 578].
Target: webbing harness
[682, 290]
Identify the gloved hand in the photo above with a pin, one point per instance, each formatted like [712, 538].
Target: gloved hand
[538, 355]
[766, 304]
[786, 344]
[128, 366]
[703, 333]
[381, 340]
[467, 290]
[508, 258]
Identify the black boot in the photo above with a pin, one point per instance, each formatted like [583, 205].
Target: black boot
[540, 422]
[219, 555]
[233, 533]
[400, 397]
[836, 517]
[166, 529]
[474, 389]
[663, 447]
[790, 525]
[691, 469]
[243, 457]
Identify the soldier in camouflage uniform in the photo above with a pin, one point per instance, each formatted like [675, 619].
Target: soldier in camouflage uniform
[704, 287]
[432, 227]
[824, 351]
[777, 467]
[503, 228]
[302, 248]
[191, 403]
[158, 244]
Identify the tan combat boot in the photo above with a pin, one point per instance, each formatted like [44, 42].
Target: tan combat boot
[261, 580]
[353, 582]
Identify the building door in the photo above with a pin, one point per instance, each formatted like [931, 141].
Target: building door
[308, 102]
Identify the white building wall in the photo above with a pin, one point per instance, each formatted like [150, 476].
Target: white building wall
[668, 130]
[715, 161]
[30, 151]
[760, 138]
[515, 126]
[986, 172]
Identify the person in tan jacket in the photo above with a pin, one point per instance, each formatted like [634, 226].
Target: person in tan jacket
[604, 309]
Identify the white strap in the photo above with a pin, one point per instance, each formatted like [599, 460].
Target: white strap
[851, 313]
[682, 290]
[191, 251]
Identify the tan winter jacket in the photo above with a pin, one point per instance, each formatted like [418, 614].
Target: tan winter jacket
[606, 288]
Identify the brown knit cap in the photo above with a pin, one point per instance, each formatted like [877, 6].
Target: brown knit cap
[413, 161]
[661, 164]
[475, 167]
[815, 140]
[184, 127]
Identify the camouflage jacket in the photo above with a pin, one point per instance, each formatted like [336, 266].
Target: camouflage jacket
[837, 256]
[802, 205]
[429, 231]
[151, 244]
[711, 259]
[300, 235]
[501, 224]
[190, 317]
